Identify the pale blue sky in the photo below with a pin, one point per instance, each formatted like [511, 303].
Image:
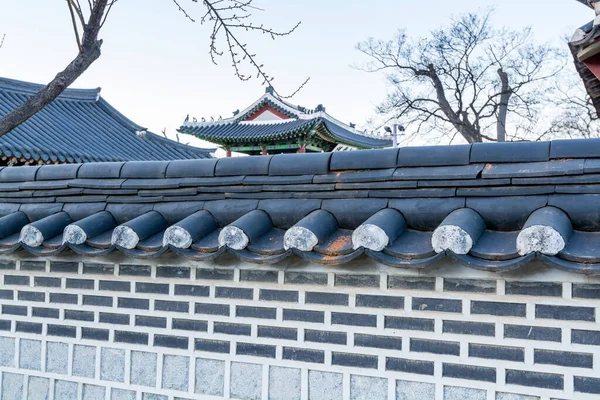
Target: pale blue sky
[155, 66]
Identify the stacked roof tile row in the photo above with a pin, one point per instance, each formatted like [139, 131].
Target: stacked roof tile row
[80, 126]
[488, 206]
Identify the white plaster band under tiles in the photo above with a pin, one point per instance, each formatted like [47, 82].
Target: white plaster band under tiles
[379, 357]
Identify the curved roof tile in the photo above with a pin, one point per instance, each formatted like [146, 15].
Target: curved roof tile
[300, 206]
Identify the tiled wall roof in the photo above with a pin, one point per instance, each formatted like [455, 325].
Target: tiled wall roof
[488, 206]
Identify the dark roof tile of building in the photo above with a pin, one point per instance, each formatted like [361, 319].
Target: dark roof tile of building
[80, 126]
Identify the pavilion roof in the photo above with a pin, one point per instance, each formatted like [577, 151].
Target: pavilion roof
[289, 121]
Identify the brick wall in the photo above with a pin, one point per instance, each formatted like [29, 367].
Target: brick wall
[79, 330]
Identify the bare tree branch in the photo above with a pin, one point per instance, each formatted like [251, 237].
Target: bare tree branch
[228, 17]
[475, 76]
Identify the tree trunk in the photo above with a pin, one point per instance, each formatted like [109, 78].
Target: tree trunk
[89, 52]
[503, 106]
[51, 91]
[464, 127]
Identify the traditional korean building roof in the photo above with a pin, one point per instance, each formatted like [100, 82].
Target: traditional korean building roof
[488, 206]
[278, 126]
[80, 126]
[585, 48]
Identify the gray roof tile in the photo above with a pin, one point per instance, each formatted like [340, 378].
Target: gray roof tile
[80, 126]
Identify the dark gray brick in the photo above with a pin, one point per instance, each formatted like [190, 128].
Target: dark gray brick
[100, 301]
[590, 338]
[434, 346]
[190, 325]
[8, 265]
[546, 289]
[115, 286]
[470, 372]
[304, 355]
[131, 337]
[306, 278]
[138, 304]
[63, 298]
[534, 379]
[303, 315]
[372, 301]
[116, 319]
[134, 270]
[78, 315]
[14, 310]
[145, 287]
[80, 284]
[45, 312]
[232, 329]
[410, 324]
[5, 325]
[44, 281]
[469, 328]
[172, 306]
[339, 299]
[586, 291]
[331, 337]
[275, 332]
[587, 385]
[234, 293]
[173, 272]
[411, 283]
[98, 269]
[347, 280]
[410, 366]
[256, 350]
[532, 333]
[565, 313]
[214, 274]
[499, 309]
[379, 342]
[213, 346]
[62, 330]
[438, 305]
[354, 360]
[16, 280]
[256, 312]
[258, 276]
[6, 294]
[353, 319]
[173, 342]
[469, 285]
[95, 334]
[70, 267]
[563, 358]
[192, 290]
[496, 352]
[32, 296]
[29, 327]
[287, 296]
[154, 322]
[212, 309]
[32, 266]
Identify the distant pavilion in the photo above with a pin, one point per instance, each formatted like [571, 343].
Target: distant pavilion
[273, 126]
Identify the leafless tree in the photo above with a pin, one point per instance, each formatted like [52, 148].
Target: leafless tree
[228, 19]
[467, 78]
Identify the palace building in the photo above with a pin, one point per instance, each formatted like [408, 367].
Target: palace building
[273, 126]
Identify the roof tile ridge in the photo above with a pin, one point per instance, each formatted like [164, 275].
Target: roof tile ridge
[30, 88]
